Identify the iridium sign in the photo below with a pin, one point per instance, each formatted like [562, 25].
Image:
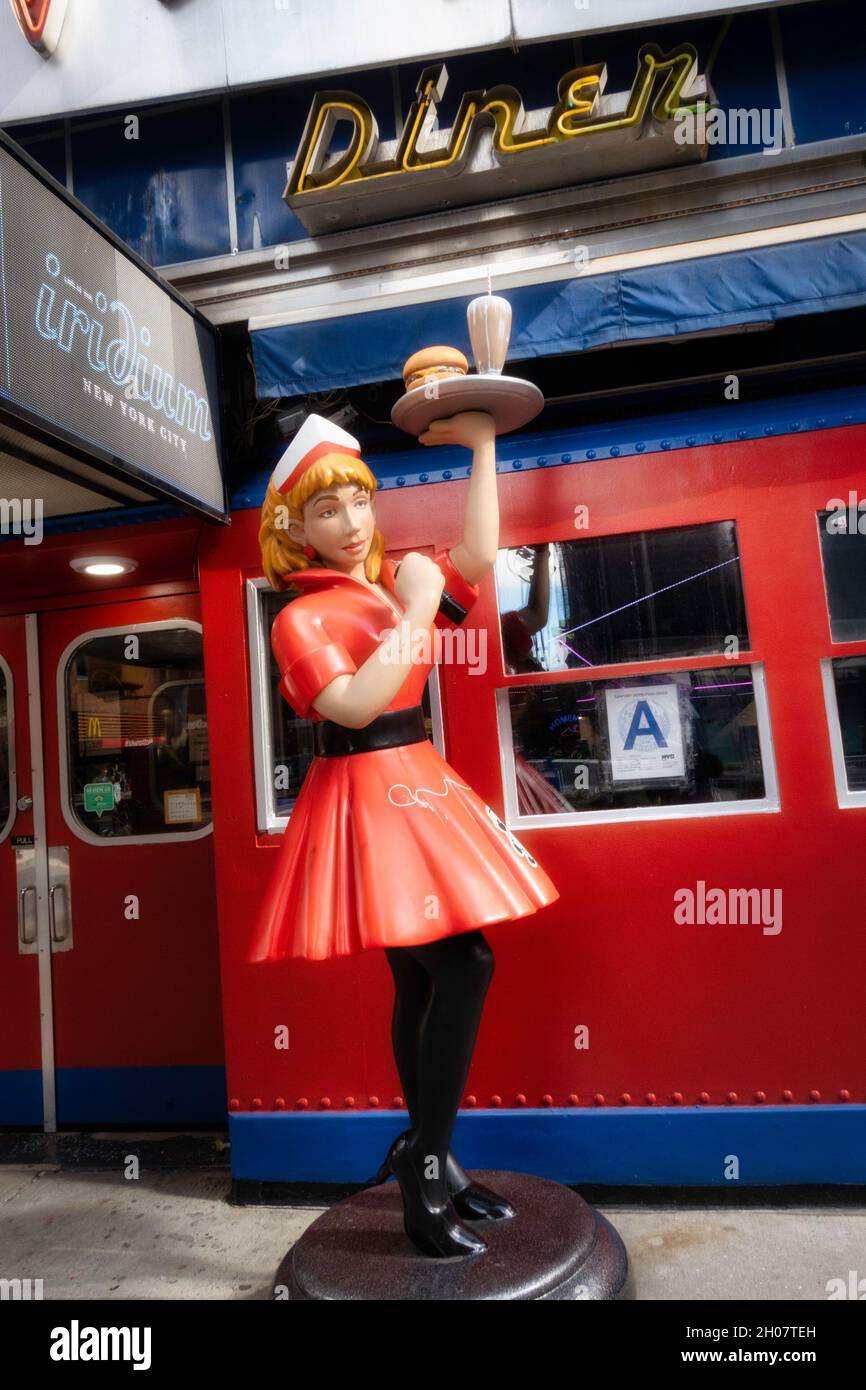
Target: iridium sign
[120, 358]
[97, 354]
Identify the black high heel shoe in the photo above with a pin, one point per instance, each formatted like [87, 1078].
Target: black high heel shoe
[472, 1200]
[432, 1228]
[385, 1167]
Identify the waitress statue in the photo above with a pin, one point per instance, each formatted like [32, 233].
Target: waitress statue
[387, 846]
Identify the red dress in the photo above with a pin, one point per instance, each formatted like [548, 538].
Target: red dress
[389, 847]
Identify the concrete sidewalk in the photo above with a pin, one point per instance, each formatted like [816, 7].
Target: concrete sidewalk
[174, 1234]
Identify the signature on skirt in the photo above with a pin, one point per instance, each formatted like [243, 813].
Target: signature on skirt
[414, 799]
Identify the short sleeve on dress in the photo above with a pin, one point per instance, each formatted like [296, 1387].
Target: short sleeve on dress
[307, 657]
[458, 595]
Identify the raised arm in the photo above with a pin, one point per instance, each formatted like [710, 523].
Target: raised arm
[475, 554]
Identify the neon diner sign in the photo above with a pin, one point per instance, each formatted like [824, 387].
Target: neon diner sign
[662, 82]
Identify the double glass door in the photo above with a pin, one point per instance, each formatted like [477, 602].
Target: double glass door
[109, 967]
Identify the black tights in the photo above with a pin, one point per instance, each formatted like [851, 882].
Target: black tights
[439, 993]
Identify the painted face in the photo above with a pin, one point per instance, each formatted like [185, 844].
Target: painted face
[339, 522]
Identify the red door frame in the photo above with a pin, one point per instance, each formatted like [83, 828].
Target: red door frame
[137, 1023]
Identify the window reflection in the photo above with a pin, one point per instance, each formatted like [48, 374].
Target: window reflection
[849, 678]
[673, 738]
[843, 553]
[137, 728]
[291, 740]
[642, 596]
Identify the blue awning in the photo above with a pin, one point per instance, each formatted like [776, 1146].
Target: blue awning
[752, 286]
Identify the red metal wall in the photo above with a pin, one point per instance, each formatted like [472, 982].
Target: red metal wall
[691, 1013]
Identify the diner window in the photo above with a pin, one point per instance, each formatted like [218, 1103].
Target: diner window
[7, 752]
[137, 763]
[667, 743]
[602, 601]
[284, 744]
[843, 554]
[845, 698]
[660, 744]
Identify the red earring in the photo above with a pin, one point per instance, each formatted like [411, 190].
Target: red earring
[310, 552]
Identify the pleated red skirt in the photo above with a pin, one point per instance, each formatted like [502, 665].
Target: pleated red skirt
[391, 848]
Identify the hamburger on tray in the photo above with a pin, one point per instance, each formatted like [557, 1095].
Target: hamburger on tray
[433, 364]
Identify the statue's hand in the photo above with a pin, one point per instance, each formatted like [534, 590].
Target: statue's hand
[419, 582]
[470, 428]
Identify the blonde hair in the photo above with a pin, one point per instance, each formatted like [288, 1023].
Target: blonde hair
[281, 553]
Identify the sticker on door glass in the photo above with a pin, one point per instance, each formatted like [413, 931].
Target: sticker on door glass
[101, 796]
[645, 732]
[182, 805]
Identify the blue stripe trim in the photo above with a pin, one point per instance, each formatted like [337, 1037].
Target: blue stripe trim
[730, 423]
[681, 1146]
[112, 516]
[21, 1098]
[118, 1095]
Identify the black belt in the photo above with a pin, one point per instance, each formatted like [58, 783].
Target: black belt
[390, 730]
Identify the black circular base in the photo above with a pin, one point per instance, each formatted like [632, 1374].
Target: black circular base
[556, 1247]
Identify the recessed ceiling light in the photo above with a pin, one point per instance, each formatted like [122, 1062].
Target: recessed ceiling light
[103, 565]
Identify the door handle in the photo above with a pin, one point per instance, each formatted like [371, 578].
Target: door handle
[52, 913]
[25, 939]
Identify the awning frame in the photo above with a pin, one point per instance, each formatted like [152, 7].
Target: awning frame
[638, 297]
